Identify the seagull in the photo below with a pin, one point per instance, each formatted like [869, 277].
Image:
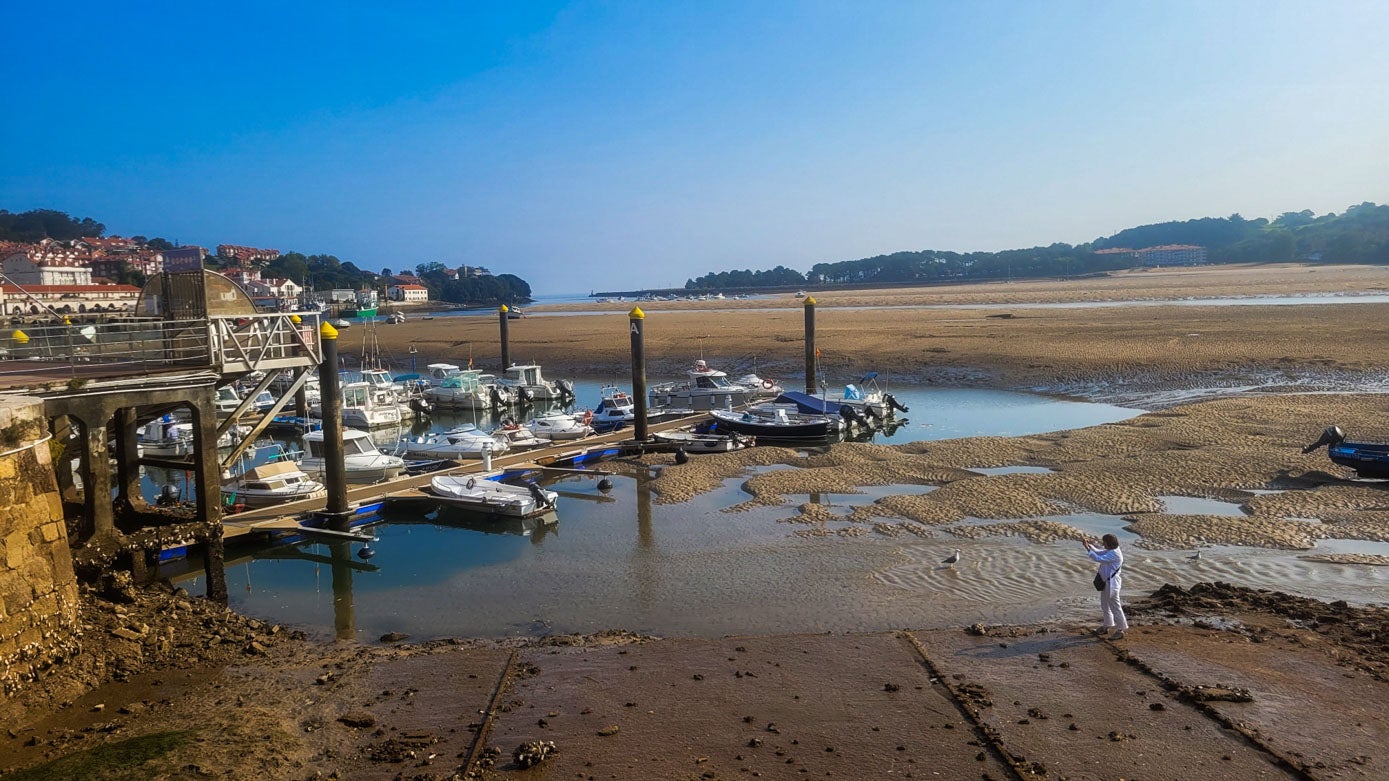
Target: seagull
[952, 559]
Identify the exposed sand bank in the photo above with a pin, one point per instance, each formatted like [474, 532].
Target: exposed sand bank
[1107, 352]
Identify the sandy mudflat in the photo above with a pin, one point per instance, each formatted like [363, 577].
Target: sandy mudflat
[1088, 351]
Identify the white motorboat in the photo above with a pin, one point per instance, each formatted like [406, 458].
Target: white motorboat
[166, 436]
[693, 442]
[395, 318]
[366, 407]
[226, 400]
[270, 484]
[465, 441]
[867, 399]
[529, 385]
[760, 387]
[483, 493]
[363, 463]
[559, 426]
[438, 372]
[464, 390]
[341, 323]
[706, 389]
[518, 437]
[615, 409]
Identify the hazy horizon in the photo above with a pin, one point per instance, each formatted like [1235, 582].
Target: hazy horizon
[621, 146]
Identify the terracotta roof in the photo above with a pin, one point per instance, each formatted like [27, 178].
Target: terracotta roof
[70, 289]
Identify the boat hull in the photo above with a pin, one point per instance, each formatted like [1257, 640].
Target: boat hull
[1368, 459]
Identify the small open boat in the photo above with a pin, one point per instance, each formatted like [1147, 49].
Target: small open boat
[483, 493]
[1368, 459]
[694, 442]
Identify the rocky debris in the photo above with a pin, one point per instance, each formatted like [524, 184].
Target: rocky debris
[393, 637]
[1362, 630]
[357, 719]
[532, 753]
[609, 731]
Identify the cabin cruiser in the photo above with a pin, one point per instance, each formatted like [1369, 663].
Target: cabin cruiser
[485, 493]
[226, 400]
[528, 385]
[271, 484]
[706, 389]
[363, 463]
[364, 406]
[465, 441]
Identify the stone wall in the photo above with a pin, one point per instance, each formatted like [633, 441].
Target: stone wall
[38, 591]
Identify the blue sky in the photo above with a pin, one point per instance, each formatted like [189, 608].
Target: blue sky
[621, 145]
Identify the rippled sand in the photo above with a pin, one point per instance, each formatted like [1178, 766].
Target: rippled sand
[1223, 449]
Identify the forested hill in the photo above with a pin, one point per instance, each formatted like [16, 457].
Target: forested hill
[1358, 235]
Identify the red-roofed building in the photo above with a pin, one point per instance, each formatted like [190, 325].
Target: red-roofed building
[245, 257]
[408, 293]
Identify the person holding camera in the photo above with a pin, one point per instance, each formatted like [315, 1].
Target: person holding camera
[1108, 581]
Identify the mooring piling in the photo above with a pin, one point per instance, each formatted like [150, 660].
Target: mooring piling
[335, 471]
[811, 353]
[636, 320]
[502, 316]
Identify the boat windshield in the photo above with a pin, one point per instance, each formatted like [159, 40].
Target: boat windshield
[354, 396]
[356, 446]
[713, 381]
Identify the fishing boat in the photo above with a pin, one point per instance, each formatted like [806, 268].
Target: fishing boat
[615, 410]
[1368, 459]
[465, 441]
[271, 484]
[361, 460]
[695, 442]
[528, 385]
[484, 493]
[560, 426]
[705, 389]
[778, 421]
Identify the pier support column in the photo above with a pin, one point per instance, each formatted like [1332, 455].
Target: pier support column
[811, 352]
[128, 459]
[335, 472]
[301, 402]
[96, 480]
[207, 470]
[637, 320]
[506, 346]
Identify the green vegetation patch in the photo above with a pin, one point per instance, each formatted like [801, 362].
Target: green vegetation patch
[127, 759]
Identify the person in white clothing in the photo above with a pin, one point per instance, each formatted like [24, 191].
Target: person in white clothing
[1106, 552]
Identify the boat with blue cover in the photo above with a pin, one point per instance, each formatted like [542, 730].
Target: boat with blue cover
[1368, 459]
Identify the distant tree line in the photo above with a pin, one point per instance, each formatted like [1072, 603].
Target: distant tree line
[1359, 235]
[486, 289]
[34, 226]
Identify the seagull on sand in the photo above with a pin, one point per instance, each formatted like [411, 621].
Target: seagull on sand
[952, 559]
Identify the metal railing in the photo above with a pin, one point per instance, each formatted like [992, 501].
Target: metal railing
[231, 344]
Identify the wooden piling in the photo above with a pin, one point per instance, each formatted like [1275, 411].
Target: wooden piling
[637, 319]
[811, 352]
[335, 471]
[502, 313]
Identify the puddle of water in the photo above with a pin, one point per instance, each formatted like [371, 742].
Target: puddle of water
[1196, 505]
[1012, 470]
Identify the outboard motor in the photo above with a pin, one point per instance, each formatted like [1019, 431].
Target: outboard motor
[527, 396]
[850, 415]
[497, 401]
[541, 499]
[1333, 435]
[566, 388]
[873, 414]
[681, 457]
[420, 405]
[168, 495]
[893, 403]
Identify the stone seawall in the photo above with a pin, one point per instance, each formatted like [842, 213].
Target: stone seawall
[38, 591]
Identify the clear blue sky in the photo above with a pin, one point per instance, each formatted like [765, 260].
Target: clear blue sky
[637, 144]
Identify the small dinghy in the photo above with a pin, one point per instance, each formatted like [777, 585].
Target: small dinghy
[694, 442]
[486, 495]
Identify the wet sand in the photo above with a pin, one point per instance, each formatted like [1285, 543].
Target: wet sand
[1257, 685]
[1101, 352]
